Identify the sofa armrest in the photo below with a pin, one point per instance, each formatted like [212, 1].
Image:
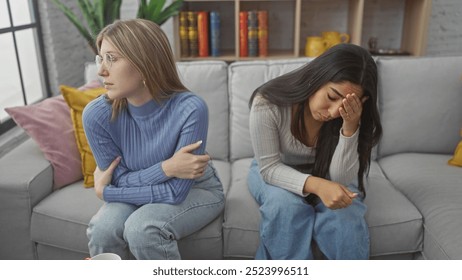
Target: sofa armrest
[26, 177]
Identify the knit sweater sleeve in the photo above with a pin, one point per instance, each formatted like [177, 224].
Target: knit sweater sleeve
[264, 133]
[194, 115]
[96, 118]
[344, 166]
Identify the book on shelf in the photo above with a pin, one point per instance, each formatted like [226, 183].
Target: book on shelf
[243, 34]
[215, 33]
[262, 33]
[203, 33]
[184, 35]
[192, 34]
[199, 33]
[252, 29]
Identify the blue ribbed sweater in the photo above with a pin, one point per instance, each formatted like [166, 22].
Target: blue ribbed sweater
[145, 136]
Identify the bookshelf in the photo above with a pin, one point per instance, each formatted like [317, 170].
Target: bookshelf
[291, 21]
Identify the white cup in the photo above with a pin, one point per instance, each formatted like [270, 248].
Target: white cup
[106, 256]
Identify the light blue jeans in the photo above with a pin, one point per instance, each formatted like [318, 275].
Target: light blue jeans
[289, 225]
[151, 231]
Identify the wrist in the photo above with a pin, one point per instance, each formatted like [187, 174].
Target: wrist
[348, 131]
[167, 168]
[100, 191]
[311, 186]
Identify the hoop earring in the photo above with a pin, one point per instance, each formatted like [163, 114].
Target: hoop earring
[144, 83]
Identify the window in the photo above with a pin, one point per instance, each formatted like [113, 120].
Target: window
[23, 73]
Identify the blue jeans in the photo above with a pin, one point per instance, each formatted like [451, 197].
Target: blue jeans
[289, 225]
[151, 231]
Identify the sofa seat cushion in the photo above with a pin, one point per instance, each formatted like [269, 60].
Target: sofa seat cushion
[242, 217]
[387, 219]
[395, 224]
[61, 220]
[436, 189]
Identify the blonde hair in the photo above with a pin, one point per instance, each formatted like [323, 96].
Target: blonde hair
[146, 47]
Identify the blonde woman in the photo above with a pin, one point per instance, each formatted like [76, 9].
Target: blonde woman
[148, 135]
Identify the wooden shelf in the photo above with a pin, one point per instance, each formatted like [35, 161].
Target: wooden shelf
[291, 21]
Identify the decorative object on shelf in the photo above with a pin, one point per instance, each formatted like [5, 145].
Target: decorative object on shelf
[215, 33]
[97, 14]
[155, 11]
[184, 35]
[315, 46]
[262, 33]
[203, 33]
[252, 24]
[374, 50]
[243, 34]
[192, 34]
[333, 38]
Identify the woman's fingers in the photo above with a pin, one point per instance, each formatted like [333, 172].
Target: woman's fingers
[191, 147]
[352, 104]
[113, 165]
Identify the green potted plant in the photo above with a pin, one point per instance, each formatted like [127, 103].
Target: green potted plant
[97, 14]
[154, 10]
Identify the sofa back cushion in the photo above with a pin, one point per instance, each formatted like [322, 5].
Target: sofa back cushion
[209, 80]
[244, 78]
[420, 104]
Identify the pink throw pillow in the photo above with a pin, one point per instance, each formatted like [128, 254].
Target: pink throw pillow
[49, 124]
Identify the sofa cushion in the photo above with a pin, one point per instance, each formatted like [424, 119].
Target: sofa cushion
[395, 224]
[61, 220]
[420, 101]
[49, 124]
[209, 80]
[242, 216]
[456, 160]
[435, 188]
[244, 78]
[77, 100]
[387, 218]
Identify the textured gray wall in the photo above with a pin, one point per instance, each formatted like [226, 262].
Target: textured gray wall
[67, 51]
[445, 30]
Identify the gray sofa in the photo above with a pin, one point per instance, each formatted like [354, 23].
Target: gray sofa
[414, 197]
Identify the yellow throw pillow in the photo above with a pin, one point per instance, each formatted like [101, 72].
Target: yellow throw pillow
[77, 100]
[457, 159]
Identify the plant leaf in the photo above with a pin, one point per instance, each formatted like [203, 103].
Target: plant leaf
[96, 16]
[172, 10]
[74, 20]
[156, 7]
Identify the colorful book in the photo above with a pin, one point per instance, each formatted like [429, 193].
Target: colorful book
[203, 33]
[263, 33]
[192, 34]
[243, 34]
[252, 28]
[184, 41]
[214, 33]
